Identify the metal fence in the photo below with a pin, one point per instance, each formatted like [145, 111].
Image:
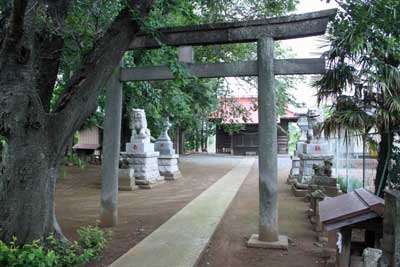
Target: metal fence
[355, 161]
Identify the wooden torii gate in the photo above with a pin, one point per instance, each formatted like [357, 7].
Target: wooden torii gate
[264, 32]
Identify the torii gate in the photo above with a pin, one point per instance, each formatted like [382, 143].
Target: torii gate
[264, 32]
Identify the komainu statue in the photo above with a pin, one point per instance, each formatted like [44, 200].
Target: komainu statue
[139, 124]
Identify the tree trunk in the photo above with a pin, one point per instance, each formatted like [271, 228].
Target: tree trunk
[37, 139]
[382, 168]
[202, 137]
[232, 152]
[181, 141]
[27, 203]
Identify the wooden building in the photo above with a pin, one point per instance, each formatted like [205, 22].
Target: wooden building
[89, 143]
[246, 141]
[353, 222]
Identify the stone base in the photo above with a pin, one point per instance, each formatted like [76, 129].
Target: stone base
[282, 243]
[146, 185]
[168, 166]
[171, 176]
[297, 192]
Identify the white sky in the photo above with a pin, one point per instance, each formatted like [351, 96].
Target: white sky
[310, 47]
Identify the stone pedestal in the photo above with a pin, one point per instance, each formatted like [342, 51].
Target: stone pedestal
[312, 154]
[168, 167]
[146, 169]
[307, 162]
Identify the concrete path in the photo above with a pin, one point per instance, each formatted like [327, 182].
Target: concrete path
[180, 241]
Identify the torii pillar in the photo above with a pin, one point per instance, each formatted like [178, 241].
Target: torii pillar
[111, 151]
[268, 233]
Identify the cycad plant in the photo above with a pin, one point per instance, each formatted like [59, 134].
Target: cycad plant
[362, 82]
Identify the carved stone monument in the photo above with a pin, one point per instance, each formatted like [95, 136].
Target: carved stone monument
[140, 150]
[312, 152]
[167, 160]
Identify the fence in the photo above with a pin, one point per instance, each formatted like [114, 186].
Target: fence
[355, 162]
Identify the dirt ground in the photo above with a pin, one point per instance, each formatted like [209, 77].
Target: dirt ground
[140, 211]
[228, 246]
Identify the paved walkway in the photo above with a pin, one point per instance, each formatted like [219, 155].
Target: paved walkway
[180, 241]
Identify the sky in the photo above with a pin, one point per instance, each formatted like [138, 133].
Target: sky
[307, 48]
[311, 47]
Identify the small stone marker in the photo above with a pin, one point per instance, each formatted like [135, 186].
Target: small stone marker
[126, 173]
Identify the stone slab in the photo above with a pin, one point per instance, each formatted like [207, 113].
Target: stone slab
[139, 148]
[145, 155]
[300, 185]
[149, 185]
[316, 157]
[172, 176]
[282, 243]
[180, 241]
[299, 192]
[323, 180]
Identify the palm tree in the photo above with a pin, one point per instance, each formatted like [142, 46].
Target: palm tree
[363, 77]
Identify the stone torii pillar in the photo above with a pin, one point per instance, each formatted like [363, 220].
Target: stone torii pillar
[111, 151]
[268, 234]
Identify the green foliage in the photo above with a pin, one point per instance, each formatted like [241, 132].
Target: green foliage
[187, 101]
[364, 58]
[294, 135]
[74, 159]
[363, 79]
[350, 185]
[55, 252]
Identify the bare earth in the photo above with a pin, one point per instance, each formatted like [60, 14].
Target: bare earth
[228, 246]
[140, 211]
[143, 211]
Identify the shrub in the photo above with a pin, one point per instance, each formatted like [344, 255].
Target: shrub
[352, 185]
[54, 252]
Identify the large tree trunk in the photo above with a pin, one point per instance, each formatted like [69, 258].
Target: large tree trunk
[27, 204]
[383, 158]
[36, 138]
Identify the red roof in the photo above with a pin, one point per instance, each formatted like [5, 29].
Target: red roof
[228, 111]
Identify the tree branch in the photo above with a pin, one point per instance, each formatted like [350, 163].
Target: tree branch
[79, 99]
[48, 49]
[15, 30]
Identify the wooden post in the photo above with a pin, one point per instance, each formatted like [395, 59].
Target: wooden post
[111, 151]
[344, 256]
[268, 236]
